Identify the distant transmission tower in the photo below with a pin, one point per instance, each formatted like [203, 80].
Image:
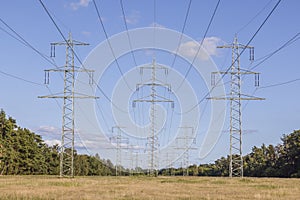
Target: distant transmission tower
[235, 97]
[185, 141]
[119, 140]
[136, 162]
[153, 98]
[68, 96]
[133, 160]
[170, 164]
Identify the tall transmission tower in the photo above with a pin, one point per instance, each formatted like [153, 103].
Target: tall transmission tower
[68, 96]
[235, 97]
[185, 141]
[153, 98]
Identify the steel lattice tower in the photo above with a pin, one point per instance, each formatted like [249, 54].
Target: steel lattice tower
[119, 140]
[153, 99]
[68, 96]
[187, 147]
[235, 97]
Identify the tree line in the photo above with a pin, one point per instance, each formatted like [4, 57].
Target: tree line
[282, 160]
[23, 152]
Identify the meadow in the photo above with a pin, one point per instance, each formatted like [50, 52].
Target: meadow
[51, 187]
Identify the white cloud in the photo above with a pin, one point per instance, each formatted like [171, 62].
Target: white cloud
[91, 144]
[133, 17]
[48, 130]
[52, 142]
[209, 45]
[50, 134]
[81, 3]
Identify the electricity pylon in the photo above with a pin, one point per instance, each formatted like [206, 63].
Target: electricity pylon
[235, 97]
[185, 141]
[153, 98]
[133, 160]
[119, 140]
[68, 96]
[170, 164]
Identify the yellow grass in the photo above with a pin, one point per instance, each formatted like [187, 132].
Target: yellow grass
[47, 187]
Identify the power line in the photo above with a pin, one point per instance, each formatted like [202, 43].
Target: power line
[86, 116]
[19, 78]
[280, 84]
[268, 56]
[182, 31]
[21, 39]
[253, 18]
[11, 35]
[27, 44]
[66, 158]
[264, 58]
[24, 42]
[72, 51]
[60, 32]
[243, 50]
[102, 115]
[75, 54]
[109, 44]
[209, 24]
[196, 55]
[271, 86]
[286, 44]
[128, 36]
[129, 39]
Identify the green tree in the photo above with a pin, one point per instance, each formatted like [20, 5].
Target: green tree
[22, 151]
[289, 155]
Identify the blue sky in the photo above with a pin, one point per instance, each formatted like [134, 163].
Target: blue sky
[264, 121]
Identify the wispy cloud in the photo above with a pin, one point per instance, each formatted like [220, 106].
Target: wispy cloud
[209, 48]
[48, 130]
[50, 134]
[82, 3]
[210, 45]
[133, 17]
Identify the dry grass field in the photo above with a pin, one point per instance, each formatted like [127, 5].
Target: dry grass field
[47, 187]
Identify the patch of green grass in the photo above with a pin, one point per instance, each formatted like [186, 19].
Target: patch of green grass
[246, 180]
[219, 182]
[188, 180]
[64, 184]
[265, 186]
